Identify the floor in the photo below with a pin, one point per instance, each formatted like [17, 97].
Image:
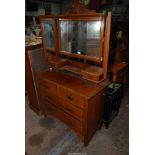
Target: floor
[49, 136]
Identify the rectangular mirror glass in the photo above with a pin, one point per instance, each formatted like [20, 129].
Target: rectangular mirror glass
[48, 26]
[80, 37]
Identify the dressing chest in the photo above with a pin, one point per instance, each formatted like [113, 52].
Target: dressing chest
[76, 46]
[74, 101]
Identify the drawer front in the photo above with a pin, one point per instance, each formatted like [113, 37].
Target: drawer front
[62, 104]
[70, 109]
[52, 110]
[47, 86]
[71, 97]
[48, 97]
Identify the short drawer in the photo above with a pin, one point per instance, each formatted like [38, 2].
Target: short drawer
[73, 123]
[48, 97]
[47, 86]
[71, 97]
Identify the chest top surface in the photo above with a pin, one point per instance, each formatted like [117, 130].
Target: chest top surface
[73, 83]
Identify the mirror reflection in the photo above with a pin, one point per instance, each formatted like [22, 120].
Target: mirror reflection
[49, 33]
[80, 37]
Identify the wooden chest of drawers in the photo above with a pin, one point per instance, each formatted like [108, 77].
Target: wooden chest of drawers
[76, 102]
[119, 72]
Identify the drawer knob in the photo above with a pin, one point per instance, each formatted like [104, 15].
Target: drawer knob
[48, 98]
[49, 109]
[46, 86]
[69, 110]
[71, 124]
[70, 97]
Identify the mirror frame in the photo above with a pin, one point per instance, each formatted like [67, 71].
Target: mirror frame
[95, 17]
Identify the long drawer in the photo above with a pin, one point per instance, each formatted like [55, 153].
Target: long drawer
[62, 104]
[71, 97]
[71, 109]
[73, 123]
